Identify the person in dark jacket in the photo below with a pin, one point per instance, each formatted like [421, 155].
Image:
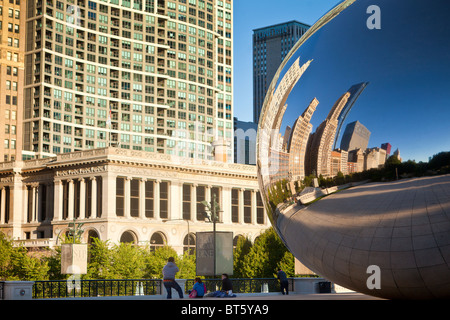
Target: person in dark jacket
[284, 284]
[169, 271]
[227, 285]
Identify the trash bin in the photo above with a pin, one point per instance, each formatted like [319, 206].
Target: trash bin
[324, 287]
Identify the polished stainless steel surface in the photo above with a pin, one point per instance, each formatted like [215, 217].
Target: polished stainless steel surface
[347, 144]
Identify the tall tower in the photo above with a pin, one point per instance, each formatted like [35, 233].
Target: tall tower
[299, 140]
[321, 142]
[12, 47]
[142, 75]
[356, 136]
[270, 46]
[355, 91]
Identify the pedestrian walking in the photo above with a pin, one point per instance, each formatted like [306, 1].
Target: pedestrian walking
[169, 271]
[284, 284]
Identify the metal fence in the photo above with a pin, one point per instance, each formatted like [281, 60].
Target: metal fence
[109, 288]
[2, 286]
[95, 288]
[256, 285]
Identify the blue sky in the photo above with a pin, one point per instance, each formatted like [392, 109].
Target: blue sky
[253, 14]
[407, 64]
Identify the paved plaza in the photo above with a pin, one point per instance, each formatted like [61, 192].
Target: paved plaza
[402, 227]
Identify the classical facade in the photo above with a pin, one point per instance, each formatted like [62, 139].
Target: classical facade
[126, 196]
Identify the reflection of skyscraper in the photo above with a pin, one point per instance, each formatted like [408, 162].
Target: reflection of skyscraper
[268, 147]
[356, 136]
[298, 142]
[321, 142]
[355, 91]
[270, 46]
[387, 146]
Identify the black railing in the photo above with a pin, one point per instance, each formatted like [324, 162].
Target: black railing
[95, 288]
[110, 288]
[256, 285]
[2, 289]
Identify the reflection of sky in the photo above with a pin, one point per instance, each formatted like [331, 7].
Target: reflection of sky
[407, 65]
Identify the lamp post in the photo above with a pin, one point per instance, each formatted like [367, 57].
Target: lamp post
[213, 208]
[189, 233]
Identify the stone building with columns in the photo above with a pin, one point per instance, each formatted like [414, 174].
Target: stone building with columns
[126, 196]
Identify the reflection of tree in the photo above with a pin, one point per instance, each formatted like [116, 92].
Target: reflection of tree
[279, 192]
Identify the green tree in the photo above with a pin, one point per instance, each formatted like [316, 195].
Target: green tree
[242, 249]
[17, 264]
[264, 256]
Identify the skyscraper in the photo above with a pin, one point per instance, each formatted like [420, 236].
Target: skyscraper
[356, 136]
[12, 45]
[355, 91]
[320, 144]
[142, 75]
[270, 46]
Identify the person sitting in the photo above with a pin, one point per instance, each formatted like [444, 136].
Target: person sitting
[199, 289]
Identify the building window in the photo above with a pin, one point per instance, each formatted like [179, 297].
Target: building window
[235, 205]
[157, 240]
[149, 199]
[134, 198]
[259, 209]
[120, 196]
[186, 202]
[247, 206]
[201, 196]
[164, 200]
[88, 197]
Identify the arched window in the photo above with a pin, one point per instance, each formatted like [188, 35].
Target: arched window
[91, 235]
[128, 236]
[189, 243]
[157, 240]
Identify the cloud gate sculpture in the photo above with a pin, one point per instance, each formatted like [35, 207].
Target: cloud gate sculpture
[369, 79]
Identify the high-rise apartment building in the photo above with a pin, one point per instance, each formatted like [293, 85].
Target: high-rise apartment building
[12, 45]
[270, 46]
[152, 75]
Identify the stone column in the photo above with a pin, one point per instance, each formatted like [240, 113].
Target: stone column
[175, 200]
[57, 200]
[109, 195]
[194, 202]
[33, 203]
[93, 198]
[156, 200]
[226, 204]
[70, 191]
[82, 198]
[3, 206]
[241, 205]
[253, 209]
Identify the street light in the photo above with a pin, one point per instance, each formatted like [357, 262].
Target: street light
[189, 233]
[213, 217]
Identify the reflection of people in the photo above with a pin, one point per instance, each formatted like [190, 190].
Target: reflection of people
[284, 284]
[198, 290]
[169, 271]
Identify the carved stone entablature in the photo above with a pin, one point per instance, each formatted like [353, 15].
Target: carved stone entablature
[80, 171]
